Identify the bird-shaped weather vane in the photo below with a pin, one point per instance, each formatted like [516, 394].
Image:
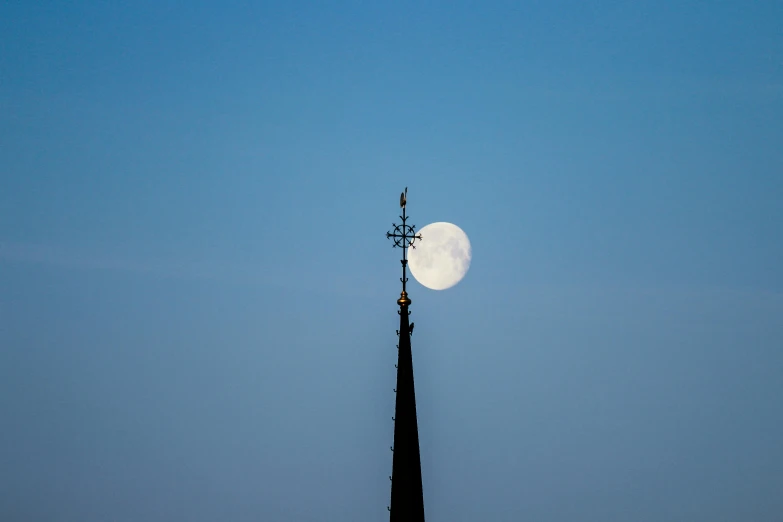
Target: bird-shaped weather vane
[404, 236]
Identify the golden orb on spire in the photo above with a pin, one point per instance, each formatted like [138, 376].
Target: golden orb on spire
[403, 300]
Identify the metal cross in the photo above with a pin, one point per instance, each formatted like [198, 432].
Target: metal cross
[404, 236]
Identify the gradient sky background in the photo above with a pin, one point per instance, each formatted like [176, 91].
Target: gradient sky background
[197, 300]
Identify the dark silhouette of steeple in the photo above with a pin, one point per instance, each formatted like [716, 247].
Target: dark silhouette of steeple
[407, 497]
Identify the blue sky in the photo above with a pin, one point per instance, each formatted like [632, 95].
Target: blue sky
[197, 300]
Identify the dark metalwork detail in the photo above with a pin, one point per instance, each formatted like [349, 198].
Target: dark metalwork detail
[404, 236]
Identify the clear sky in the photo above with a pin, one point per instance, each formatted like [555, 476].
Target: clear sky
[197, 300]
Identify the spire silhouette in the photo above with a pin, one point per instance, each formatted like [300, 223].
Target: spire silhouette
[407, 497]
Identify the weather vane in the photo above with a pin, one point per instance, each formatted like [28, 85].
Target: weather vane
[404, 236]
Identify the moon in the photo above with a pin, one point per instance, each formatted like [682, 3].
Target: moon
[441, 257]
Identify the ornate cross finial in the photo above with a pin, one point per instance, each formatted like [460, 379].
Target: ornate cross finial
[404, 236]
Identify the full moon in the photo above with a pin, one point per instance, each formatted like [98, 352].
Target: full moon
[442, 256]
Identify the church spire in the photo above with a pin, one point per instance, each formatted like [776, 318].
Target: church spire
[407, 498]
